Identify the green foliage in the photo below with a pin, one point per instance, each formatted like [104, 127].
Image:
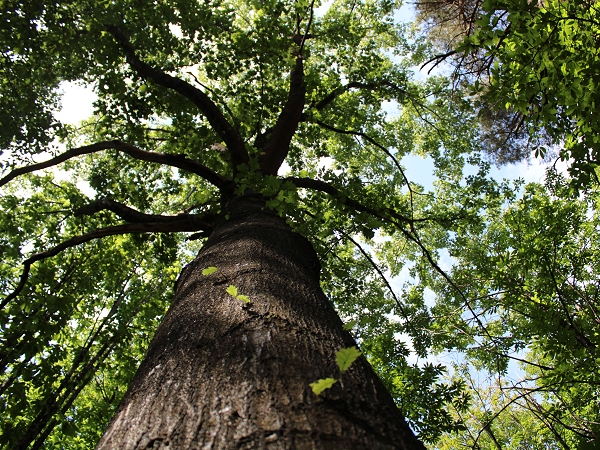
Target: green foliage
[525, 269]
[233, 291]
[529, 280]
[344, 357]
[546, 58]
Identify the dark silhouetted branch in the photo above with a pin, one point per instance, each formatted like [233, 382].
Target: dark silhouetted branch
[128, 214]
[437, 59]
[177, 224]
[277, 146]
[181, 162]
[323, 186]
[213, 114]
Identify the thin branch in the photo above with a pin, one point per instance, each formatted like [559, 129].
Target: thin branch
[354, 85]
[179, 161]
[177, 224]
[382, 276]
[323, 186]
[414, 237]
[212, 91]
[213, 114]
[438, 59]
[380, 147]
[581, 338]
[306, 33]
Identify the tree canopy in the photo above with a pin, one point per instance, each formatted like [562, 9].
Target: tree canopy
[530, 67]
[194, 101]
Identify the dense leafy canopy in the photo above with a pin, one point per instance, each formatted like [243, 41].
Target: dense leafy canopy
[532, 68]
[190, 97]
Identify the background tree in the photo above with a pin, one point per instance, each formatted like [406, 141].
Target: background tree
[528, 283]
[199, 104]
[530, 65]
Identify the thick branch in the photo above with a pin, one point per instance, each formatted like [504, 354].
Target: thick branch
[130, 214]
[213, 114]
[278, 145]
[178, 223]
[181, 162]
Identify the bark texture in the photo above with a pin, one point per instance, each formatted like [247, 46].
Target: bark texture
[220, 374]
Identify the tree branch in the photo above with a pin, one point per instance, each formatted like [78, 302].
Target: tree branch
[369, 139]
[181, 162]
[277, 146]
[306, 34]
[177, 224]
[323, 186]
[354, 85]
[384, 279]
[129, 214]
[438, 59]
[213, 114]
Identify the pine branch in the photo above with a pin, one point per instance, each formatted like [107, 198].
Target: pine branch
[177, 224]
[213, 114]
[181, 162]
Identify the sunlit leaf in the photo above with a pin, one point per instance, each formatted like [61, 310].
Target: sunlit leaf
[346, 356]
[243, 298]
[232, 290]
[322, 384]
[209, 270]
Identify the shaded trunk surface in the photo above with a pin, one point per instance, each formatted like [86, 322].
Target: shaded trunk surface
[222, 374]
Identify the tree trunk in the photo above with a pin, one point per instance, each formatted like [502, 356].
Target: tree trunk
[223, 374]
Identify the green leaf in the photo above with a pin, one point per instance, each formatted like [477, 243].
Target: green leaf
[232, 290]
[209, 270]
[348, 326]
[322, 384]
[243, 298]
[346, 356]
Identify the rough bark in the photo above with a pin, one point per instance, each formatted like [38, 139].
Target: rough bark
[220, 374]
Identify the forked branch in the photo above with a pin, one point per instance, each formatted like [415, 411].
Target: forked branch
[213, 114]
[181, 162]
